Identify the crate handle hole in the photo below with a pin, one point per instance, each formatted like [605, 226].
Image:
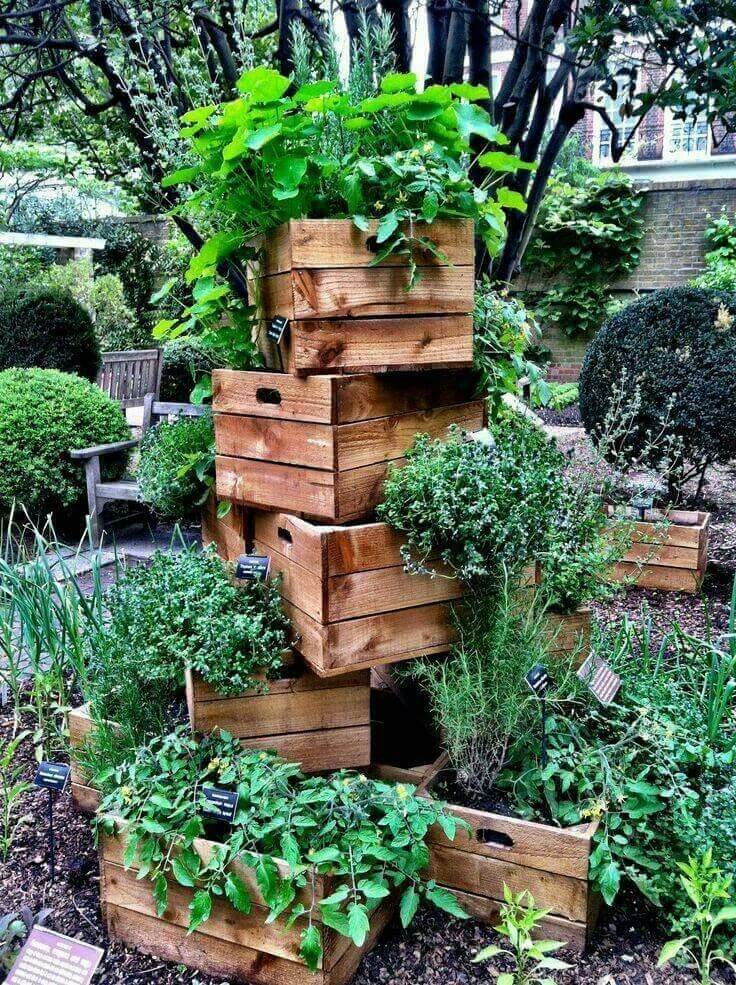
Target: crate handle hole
[268, 395]
[285, 534]
[371, 244]
[487, 836]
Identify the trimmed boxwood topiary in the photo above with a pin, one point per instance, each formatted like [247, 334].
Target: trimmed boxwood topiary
[185, 360]
[678, 347]
[44, 414]
[48, 329]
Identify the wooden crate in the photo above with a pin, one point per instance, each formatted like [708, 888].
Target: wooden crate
[227, 533]
[320, 724]
[570, 633]
[85, 797]
[347, 315]
[551, 863]
[230, 945]
[350, 601]
[321, 445]
[671, 557]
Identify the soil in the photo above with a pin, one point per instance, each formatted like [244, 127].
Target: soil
[567, 417]
[436, 949]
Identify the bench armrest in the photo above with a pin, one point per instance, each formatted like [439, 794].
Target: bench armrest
[110, 449]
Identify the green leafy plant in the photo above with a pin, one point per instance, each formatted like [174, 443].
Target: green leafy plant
[177, 466]
[503, 332]
[367, 837]
[474, 506]
[587, 236]
[720, 261]
[47, 328]
[562, 395]
[707, 889]
[14, 928]
[185, 362]
[531, 958]
[44, 414]
[12, 788]
[399, 156]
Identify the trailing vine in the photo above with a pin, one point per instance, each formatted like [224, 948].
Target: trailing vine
[588, 236]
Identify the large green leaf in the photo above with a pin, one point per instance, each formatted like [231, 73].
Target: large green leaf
[499, 160]
[472, 119]
[200, 909]
[289, 171]
[263, 85]
[399, 82]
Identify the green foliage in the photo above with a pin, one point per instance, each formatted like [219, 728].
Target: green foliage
[397, 156]
[14, 928]
[587, 236]
[503, 331]
[186, 360]
[709, 893]
[367, 836]
[642, 767]
[562, 395]
[720, 272]
[176, 468]
[103, 298]
[475, 506]
[47, 328]
[12, 789]
[478, 695]
[531, 957]
[671, 353]
[44, 414]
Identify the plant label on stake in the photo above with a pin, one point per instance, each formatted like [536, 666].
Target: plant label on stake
[277, 329]
[253, 567]
[221, 805]
[50, 957]
[539, 681]
[602, 681]
[54, 778]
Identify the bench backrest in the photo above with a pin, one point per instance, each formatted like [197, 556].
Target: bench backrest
[154, 410]
[128, 376]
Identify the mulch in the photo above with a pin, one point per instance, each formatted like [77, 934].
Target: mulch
[437, 949]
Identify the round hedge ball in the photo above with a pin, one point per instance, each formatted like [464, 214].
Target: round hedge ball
[47, 328]
[675, 345]
[44, 414]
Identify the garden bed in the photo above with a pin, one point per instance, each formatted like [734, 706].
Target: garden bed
[230, 944]
[348, 314]
[570, 633]
[322, 446]
[668, 552]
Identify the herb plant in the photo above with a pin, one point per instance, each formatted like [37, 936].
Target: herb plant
[367, 837]
[177, 465]
[14, 928]
[709, 891]
[12, 788]
[532, 959]
[396, 156]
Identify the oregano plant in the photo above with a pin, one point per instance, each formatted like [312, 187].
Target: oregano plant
[367, 837]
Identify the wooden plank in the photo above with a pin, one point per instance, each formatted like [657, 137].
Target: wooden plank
[220, 959]
[285, 487]
[379, 344]
[226, 533]
[267, 715]
[662, 555]
[370, 641]
[386, 438]
[683, 529]
[560, 851]
[359, 491]
[652, 576]
[366, 292]
[290, 442]
[333, 399]
[486, 910]
[199, 691]
[85, 799]
[563, 896]
[339, 243]
[569, 632]
[321, 751]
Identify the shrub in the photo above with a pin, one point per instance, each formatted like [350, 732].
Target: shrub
[673, 352]
[475, 506]
[185, 360]
[44, 414]
[176, 466]
[47, 328]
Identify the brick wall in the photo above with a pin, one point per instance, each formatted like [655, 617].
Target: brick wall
[675, 217]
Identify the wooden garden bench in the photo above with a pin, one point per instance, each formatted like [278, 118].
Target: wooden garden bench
[128, 376]
[123, 490]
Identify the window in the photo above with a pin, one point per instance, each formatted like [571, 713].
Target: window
[688, 138]
[624, 128]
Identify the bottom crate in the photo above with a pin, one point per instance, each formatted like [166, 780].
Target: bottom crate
[229, 945]
[569, 633]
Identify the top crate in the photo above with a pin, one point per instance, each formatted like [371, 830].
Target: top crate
[347, 314]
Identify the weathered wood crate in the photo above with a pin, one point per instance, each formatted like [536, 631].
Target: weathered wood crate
[230, 945]
[322, 724]
[570, 633]
[551, 863]
[321, 445]
[670, 552]
[227, 532]
[350, 601]
[347, 314]
[85, 797]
